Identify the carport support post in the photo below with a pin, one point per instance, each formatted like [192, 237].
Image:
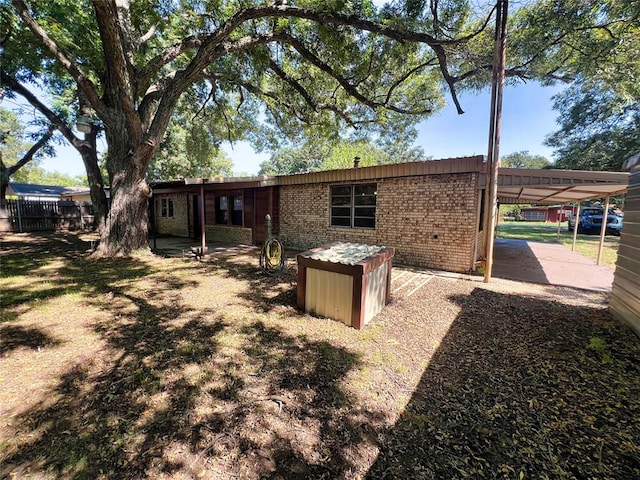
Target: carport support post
[560, 213]
[203, 228]
[493, 158]
[603, 227]
[575, 226]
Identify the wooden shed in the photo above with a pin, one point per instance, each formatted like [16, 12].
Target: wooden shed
[625, 296]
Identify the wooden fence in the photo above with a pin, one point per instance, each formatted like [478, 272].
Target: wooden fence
[34, 215]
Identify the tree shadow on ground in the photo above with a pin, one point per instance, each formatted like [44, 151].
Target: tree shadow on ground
[178, 390]
[21, 254]
[13, 337]
[519, 388]
[170, 402]
[265, 292]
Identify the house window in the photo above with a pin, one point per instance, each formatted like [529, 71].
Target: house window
[222, 210]
[236, 213]
[354, 205]
[167, 207]
[229, 210]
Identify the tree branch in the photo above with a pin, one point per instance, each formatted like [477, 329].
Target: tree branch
[82, 80]
[257, 91]
[404, 77]
[281, 11]
[31, 152]
[306, 95]
[207, 54]
[450, 79]
[153, 66]
[147, 36]
[20, 89]
[346, 85]
[118, 84]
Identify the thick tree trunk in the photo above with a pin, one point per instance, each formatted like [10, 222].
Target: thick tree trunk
[4, 182]
[126, 224]
[125, 227]
[89, 154]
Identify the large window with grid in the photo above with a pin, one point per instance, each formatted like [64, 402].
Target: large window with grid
[354, 206]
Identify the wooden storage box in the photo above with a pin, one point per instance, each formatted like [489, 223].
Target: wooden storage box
[348, 282]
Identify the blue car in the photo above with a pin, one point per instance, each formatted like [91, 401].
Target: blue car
[590, 221]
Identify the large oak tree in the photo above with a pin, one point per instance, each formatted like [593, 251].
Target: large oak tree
[330, 63]
[313, 66]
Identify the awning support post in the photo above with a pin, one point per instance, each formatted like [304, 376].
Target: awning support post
[575, 226]
[603, 227]
[560, 213]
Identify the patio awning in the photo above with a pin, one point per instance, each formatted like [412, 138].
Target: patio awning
[549, 186]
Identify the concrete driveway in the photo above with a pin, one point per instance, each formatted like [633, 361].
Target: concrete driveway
[550, 264]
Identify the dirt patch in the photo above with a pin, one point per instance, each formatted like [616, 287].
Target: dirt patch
[167, 368]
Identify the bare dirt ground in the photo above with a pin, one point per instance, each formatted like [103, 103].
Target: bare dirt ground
[155, 367]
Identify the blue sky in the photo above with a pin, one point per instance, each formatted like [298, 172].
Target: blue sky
[526, 120]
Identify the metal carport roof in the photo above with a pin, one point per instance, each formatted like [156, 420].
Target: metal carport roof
[552, 187]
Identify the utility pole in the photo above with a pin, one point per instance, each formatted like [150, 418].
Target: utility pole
[493, 157]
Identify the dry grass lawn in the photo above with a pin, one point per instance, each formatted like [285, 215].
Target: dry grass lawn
[162, 368]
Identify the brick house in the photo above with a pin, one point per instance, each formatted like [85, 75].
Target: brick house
[234, 208]
[547, 213]
[429, 211]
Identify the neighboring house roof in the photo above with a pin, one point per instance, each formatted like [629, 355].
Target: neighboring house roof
[53, 192]
[631, 162]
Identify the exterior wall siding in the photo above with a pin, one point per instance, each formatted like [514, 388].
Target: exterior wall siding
[229, 234]
[624, 303]
[430, 220]
[177, 225]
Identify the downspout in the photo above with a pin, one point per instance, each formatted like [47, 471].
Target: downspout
[478, 236]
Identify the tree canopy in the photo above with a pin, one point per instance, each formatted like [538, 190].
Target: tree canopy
[190, 147]
[599, 127]
[524, 159]
[599, 116]
[329, 154]
[268, 72]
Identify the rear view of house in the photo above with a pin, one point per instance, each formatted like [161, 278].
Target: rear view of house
[429, 211]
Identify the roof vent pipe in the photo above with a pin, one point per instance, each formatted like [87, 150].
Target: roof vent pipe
[356, 162]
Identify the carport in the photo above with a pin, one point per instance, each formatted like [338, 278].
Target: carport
[552, 187]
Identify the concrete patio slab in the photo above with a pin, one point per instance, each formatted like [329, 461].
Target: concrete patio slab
[533, 262]
[549, 264]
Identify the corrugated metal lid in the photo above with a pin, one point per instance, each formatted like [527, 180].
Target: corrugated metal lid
[345, 253]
